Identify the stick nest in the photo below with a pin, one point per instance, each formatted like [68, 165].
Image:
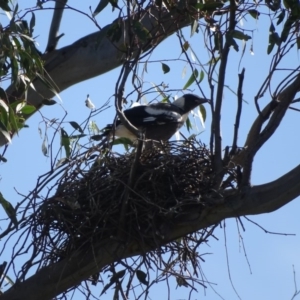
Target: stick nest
[99, 203]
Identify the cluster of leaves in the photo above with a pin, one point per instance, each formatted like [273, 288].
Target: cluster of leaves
[116, 279]
[21, 63]
[12, 117]
[287, 11]
[291, 15]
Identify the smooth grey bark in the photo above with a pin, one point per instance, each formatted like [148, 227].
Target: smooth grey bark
[53, 280]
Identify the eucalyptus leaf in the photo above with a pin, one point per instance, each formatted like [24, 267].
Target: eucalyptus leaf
[165, 68]
[101, 5]
[76, 126]
[254, 13]
[4, 132]
[45, 146]
[48, 102]
[65, 142]
[191, 80]
[9, 209]
[141, 276]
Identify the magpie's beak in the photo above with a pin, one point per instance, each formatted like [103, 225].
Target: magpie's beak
[203, 100]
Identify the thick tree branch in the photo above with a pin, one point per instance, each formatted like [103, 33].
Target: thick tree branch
[95, 54]
[53, 280]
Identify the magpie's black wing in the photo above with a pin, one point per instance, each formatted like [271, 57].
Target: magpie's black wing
[154, 114]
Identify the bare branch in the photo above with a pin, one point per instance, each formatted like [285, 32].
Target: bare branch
[55, 24]
[297, 292]
[218, 165]
[238, 111]
[274, 111]
[285, 98]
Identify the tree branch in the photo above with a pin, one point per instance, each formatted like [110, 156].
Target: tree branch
[95, 54]
[274, 111]
[55, 24]
[53, 280]
[238, 111]
[217, 160]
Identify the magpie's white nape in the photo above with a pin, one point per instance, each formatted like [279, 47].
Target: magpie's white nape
[158, 121]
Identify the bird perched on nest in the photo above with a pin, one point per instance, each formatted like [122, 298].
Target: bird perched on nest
[158, 121]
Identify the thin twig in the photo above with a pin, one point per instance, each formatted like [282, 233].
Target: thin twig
[228, 264]
[267, 231]
[297, 292]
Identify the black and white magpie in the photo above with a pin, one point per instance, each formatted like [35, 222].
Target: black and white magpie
[158, 121]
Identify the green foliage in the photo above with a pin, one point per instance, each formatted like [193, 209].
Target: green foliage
[4, 5]
[185, 46]
[141, 32]
[45, 145]
[76, 126]
[9, 209]
[209, 6]
[188, 124]
[274, 5]
[114, 33]
[114, 279]
[96, 137]
[4, 132]
[28, 109]
[20, 60]
[114, 4]
[231, 41]
[191, 80]
[21, 63]
[48, 102]
[281, 17]
[237, 34]
[273, 38]
[290, 15]
[141, 276]
[12, 116]
[123, 141]
[194, 27]
[254, 13]
[287, 28]
[165, 68]
[218, 40]
[101, 5]
[202, 112]
[65, 142]
[201, 76]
